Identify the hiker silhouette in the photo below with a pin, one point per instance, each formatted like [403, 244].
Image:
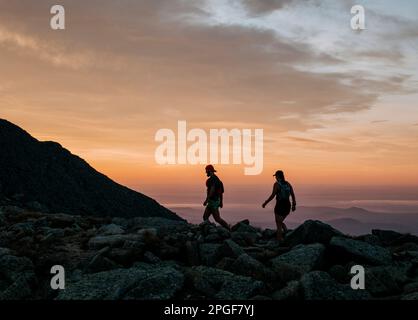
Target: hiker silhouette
[282, 191]
[214, 197]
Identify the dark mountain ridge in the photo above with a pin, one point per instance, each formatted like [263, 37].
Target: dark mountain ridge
[46, 176]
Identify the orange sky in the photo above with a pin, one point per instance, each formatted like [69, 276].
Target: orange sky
[337, 107]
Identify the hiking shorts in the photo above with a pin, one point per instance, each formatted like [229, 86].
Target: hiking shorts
[282, 208]
[214, 204]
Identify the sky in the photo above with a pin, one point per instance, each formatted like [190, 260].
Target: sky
[337, 106]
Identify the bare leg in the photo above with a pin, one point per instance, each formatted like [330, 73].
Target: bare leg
[284, 228]
[218, 219]
[279, 224]
[206, 214]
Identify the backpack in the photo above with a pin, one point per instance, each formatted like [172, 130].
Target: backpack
[219, 186]
[284, 190]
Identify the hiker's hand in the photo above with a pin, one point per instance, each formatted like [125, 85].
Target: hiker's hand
[221, 205]
[205, 203]
[264, 205]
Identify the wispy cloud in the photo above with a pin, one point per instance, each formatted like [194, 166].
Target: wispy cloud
[25, 44]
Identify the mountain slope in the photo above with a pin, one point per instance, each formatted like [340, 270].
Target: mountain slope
[46, 173]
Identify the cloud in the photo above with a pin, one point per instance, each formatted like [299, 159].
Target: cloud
[259, 7]
[148, 56]
[306, 140]
[30, 45]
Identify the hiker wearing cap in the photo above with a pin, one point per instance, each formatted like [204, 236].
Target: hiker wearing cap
[214, 197]
[282, 190]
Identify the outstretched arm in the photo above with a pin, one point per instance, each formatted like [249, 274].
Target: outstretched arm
[292, 193]
[273, 194]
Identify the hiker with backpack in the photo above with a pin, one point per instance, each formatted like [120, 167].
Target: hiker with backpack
[282, 190]
[214, 197]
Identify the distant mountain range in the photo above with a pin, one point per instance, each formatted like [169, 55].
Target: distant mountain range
[46, 177]
[354, 220]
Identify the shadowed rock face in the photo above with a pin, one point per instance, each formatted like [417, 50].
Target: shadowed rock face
[47, 177]
[159, 259]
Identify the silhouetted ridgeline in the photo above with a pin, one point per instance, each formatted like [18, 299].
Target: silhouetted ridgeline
[47, 177]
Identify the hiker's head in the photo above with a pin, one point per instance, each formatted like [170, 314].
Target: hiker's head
[279, 175]
[210, 170]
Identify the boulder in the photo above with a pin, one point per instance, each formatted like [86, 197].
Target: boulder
[218, 284]
[192, 253]
[100, 263]
[262, 253]
[213, 237]
[247, 266]
[20, 288]
[226, 264]
[151, 258]
[11, 267]
[244, 226]
[410, 296]
[112, 241]
[380, 282]
[339, 273]
[17, 276]
[6, 251]
[289, 293]
[360, 251]
[22, 229]
[399, 271]
[207, 227]
[149, 236]
[161, 284]
[125, 256]
[285, 273]
[311, 232]
[318, 285]
[110, 229]
[269, 234]
[147, 283]
[61, 220]
[302, 258]
[386, 237]
[244, 238]
[411, 287]
[52, 235]
[167, 252]
[370, 239]
[208, 253]
[229, 248]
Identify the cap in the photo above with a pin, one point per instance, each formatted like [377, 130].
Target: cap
[210, 168]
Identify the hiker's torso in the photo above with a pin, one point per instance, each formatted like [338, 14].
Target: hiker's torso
[214, 181]
[283, 191]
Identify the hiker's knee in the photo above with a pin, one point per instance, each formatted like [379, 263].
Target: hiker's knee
[216, 215]
[206, 215]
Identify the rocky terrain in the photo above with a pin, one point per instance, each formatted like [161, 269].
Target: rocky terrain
[46, 177]
[156, 258]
